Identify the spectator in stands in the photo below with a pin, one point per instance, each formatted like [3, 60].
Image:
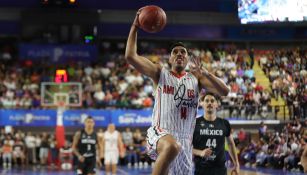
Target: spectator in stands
[66, 156]
[38, 142]
[19, 151]
[44, 149]
[53, 150]
[131, 155]
[262, 130]
[31, 148]
[7, 151]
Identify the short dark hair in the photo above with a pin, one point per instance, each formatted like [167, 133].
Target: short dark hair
[175, 44]
[203, 96]
[89, 117]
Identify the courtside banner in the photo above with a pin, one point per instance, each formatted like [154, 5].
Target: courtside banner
[28, 117]
[58, 53]
[122, 118]
[76, 117]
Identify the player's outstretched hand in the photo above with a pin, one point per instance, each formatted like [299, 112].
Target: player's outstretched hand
[136, 19]
[195, 66]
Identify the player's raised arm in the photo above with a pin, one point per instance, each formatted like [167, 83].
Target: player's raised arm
[207, 80]
[140, 63]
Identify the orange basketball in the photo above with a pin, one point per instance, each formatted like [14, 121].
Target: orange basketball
[152, 19]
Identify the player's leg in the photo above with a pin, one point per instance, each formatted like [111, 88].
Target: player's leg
[107, 162]
[183, 163]
[80, 168]
[90, 167]
[114, 161]
[221, 171]
[167, 149]
[114, 168]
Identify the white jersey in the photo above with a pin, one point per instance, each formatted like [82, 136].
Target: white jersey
[176, 103]
[111, 141]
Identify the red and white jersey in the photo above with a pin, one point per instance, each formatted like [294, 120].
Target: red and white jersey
[176, 103]
[111, 141]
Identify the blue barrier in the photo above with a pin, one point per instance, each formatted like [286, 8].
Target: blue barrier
[102, 118]
[28, 117]
[76, 117]
[122, 118]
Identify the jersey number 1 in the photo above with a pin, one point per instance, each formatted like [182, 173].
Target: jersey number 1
[88, 147]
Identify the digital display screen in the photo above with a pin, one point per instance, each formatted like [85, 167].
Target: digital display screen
[263, 11]
[61, 76]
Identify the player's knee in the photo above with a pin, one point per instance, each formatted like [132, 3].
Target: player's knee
[172, 149]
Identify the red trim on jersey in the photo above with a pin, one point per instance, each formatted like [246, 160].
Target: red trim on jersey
[178, 75]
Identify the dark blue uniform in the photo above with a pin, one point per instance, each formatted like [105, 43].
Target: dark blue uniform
[87, 148]
[211, 134]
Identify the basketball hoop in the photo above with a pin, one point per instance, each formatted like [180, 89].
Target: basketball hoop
[61, 105]
[54, 94]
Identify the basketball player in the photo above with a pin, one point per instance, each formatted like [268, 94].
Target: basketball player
[209, 141]
[84, 147]
[112, 147]
[176, 101]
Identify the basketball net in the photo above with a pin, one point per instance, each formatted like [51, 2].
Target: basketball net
[61, 106]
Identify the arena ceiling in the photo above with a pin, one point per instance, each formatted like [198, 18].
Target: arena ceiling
[227, 6]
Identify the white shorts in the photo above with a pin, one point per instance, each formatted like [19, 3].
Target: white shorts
[183, 163]
[153, 136]
[111, 157]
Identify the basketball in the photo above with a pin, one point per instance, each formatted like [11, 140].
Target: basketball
[152, 19]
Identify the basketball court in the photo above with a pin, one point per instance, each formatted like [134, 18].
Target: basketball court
[130, 171]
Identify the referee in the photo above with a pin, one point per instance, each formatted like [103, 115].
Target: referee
[209, 141]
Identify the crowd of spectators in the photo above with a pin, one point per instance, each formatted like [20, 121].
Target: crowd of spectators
[112, 83]
[20, 149]
[279, 149]
[287, 72]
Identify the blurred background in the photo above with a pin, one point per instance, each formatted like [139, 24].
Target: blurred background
[65, 59]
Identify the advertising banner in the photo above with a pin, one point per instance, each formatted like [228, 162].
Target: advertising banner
[123, 118]
[76, 117]
[28, 117]
[58, 53]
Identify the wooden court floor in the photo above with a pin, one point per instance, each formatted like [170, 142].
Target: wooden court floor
[127, 171]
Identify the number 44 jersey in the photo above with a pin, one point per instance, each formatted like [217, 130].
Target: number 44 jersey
[211, 134]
